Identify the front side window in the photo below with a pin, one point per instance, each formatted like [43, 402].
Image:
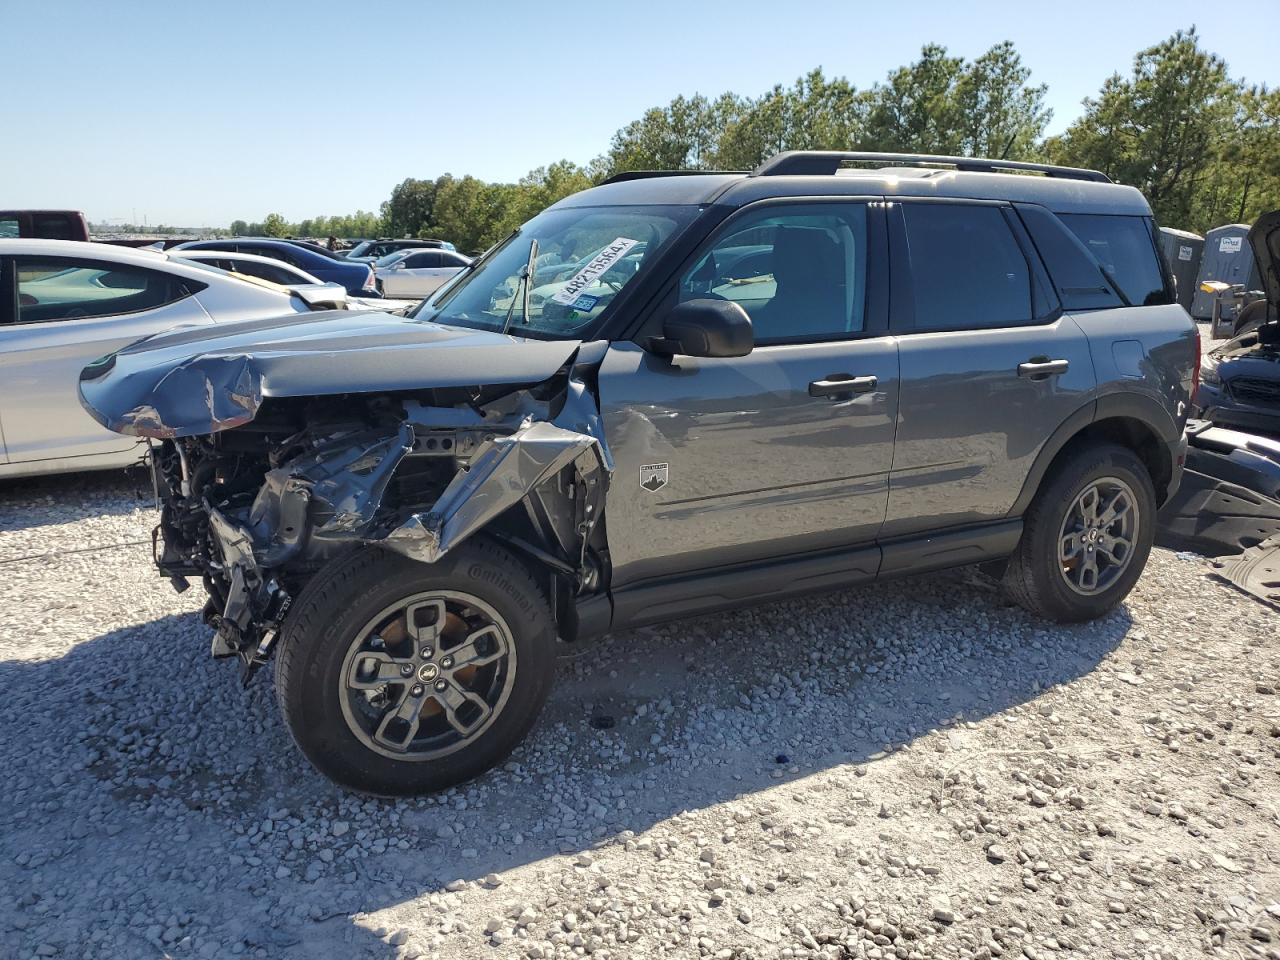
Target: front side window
[9, 228]
[420, 261]
[799, 271]
[584, 258]
[967, 270]
[62, 288]
[1125, 249]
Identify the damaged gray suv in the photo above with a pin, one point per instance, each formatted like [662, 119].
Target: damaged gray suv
[661, 397]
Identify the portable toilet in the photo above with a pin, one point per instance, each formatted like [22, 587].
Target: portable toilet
[1229, 258]
[1182, 251]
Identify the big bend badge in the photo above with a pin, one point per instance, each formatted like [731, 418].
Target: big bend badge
[653, 476]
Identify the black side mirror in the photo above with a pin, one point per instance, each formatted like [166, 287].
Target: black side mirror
[705, 328]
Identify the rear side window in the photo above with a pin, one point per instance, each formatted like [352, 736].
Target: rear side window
[1124, 247]
[967, 270]
[1078, 276]
[8, 228]
[63, 288]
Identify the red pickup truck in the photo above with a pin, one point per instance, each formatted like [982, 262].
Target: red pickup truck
[44, 224]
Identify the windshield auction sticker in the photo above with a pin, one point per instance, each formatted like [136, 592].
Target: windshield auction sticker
[601, 262]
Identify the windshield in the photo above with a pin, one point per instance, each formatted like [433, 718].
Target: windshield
[359, 249]
[586, 256]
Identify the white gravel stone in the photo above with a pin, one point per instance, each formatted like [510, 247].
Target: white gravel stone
[149, 805]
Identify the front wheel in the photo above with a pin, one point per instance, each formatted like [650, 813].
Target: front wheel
[1086, 536]
[399, 678]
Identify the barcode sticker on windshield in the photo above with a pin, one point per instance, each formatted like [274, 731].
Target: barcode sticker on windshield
[601, 262]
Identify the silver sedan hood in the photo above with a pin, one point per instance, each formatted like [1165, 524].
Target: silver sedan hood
[199, 380]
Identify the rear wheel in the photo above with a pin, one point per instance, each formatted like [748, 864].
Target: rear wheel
[1086, 537]
[399, 678]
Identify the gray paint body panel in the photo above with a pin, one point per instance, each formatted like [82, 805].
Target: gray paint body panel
[756, 467]
[969, 427]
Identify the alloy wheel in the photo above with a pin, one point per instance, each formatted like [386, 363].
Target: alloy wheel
[1097, 536]
[427, 675]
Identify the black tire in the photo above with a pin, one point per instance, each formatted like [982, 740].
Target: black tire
[334, 610]
[1035, 577]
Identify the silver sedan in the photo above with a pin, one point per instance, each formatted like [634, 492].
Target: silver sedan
[65, 303]
[416, 274]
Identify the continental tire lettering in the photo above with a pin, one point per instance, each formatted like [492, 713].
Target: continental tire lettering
[495, 579]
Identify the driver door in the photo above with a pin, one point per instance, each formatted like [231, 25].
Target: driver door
[728, 460]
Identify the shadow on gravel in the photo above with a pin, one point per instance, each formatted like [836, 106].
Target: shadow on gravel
[67, 497]
[172, 768]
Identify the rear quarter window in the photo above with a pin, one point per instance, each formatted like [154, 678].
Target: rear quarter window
[1125, 248]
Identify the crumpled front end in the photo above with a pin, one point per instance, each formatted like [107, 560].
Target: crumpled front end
[255, 512]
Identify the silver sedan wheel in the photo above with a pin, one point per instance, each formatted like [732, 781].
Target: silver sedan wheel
[427, 675]
[1096, 540]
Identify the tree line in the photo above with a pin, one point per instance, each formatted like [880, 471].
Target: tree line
[1202, 146]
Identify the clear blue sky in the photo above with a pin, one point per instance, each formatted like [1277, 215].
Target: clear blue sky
[199, 113]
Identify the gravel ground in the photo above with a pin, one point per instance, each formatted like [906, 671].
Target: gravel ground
[912, 769]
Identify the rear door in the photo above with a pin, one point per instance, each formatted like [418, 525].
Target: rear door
[70, 311]
[990, 364]
[419, 274]
[784, 451]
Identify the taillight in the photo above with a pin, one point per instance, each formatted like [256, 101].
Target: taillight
[370, 285]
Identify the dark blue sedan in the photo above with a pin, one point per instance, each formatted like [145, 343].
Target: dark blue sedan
[356, 277]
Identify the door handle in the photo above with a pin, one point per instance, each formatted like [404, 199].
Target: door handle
[1040, 368]
[841, 385]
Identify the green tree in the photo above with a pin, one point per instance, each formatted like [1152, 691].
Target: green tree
[1162, 129]
[1244, 180]
[239, 228]
[994, 111]
[275, 226]
[915, 110]
[410, 207]
[469, 212]
[816, 114]
[684, 135]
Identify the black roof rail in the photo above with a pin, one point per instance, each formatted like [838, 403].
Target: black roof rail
[647, 174]
[802, 163]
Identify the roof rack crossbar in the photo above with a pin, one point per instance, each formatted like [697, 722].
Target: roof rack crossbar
[792, 163]
[647, 174]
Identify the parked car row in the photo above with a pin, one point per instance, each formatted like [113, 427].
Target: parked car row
[356, 278]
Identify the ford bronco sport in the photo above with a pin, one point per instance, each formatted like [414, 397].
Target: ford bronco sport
[749, 387]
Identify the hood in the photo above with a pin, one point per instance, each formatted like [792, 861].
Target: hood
[199, 380]
[1264, 238]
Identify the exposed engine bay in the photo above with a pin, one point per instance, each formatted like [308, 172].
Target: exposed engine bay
[254, 511]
